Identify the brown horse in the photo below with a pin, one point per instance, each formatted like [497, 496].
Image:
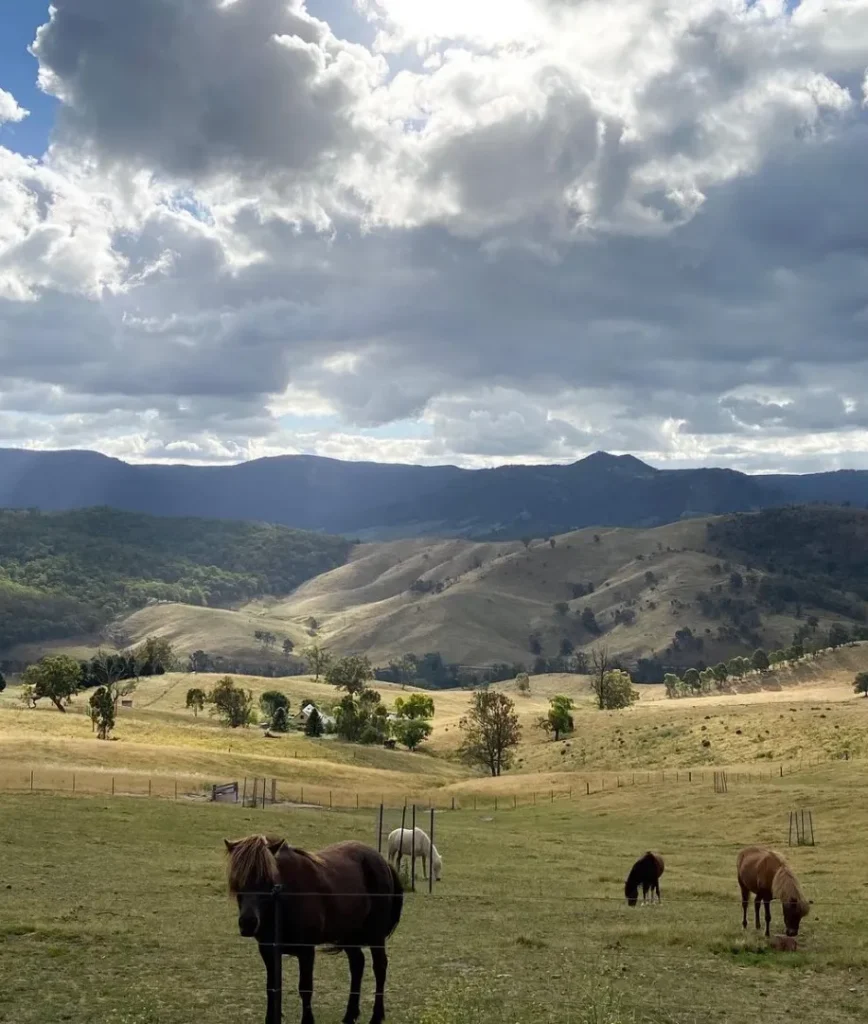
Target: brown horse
[766, 874]
[645, 872]
[345, 897]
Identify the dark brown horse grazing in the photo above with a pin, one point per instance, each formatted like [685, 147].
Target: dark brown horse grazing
[345, 897]
[645, 872]
[766, 874]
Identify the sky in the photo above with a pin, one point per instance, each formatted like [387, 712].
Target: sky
[436, 232]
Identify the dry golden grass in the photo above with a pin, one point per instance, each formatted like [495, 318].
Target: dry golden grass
[801, 714]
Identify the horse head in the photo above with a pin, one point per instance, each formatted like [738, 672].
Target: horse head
[252, 874]
[794, 910]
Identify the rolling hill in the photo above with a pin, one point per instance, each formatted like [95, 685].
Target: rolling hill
[380, 502]
[696, 591]
[71, 573]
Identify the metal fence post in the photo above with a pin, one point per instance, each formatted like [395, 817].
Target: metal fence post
[380, 831]
[413, 851]
[431, 855]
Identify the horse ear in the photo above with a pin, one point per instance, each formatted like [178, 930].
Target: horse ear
[275, 846]
[231, 844]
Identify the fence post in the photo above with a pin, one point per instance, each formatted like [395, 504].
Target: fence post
[31, 780]
[73, 782]
[263, 793]
[514, 800]
[357, 801]
[453, 803]
[244, 793]
[495, 803]
[552, 795]
[431, 854]
[274, 791]
[380, 830]
[587, 788]
[301, 801]
[330, 799]
[275, 992]
[176, 791]
[113, 785]
[413, 851]
[149, 787]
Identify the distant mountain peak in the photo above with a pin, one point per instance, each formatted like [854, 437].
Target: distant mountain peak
[606, 460]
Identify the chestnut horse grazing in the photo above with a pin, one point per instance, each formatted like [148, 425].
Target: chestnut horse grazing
[344, 897]
[645, 872]
[766, 874]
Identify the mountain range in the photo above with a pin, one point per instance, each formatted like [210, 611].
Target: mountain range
[374, 501]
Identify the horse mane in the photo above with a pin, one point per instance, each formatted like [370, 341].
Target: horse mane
[251, 863]
[786, 889]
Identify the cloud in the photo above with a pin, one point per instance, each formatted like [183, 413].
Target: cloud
[513, 233]
[10, 111]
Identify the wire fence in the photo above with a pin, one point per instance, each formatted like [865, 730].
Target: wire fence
[268, 791]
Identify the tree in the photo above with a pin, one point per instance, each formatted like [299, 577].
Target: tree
[102, 711]
[734, 668]
[318, 659]
[558, 719]
[350, 673]
[527, 542]
[288, 647]
[155, 656]
[26, 696]
[601, 664]
[491, 731]
[567, 647]
[721, 673]
[838, 635]
[760, 660]
[199, 661]
[56, 678]
[116, 673]
[314, 725]
[860, 684]
[671, 682]
[522, 683]
[2, 682]
[561, 607]
[362, 718]
[280, 720]
[707, 680]
[411, 731]
[589, 621]
[196, 699]
[616, 690]
[692, 679]
[271, 700]
[231, 703]
[416, 706]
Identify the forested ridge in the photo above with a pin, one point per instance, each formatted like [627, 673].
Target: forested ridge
[69, 573]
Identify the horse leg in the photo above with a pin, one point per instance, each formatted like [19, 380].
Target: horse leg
[272, 996]
[357, 969]
[745, 897]
[756, 907]
[380, 964]
[305, 983]
[657, 889]
[768, 916]
[424, 868]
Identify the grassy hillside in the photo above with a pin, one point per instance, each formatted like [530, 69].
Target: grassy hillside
[690, 592]
[70, 573]
[796, 714]
[684, 593]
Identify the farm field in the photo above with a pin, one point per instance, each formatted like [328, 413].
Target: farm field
[115, 911]
[803, 714]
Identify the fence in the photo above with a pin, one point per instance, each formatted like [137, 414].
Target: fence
[263, 792]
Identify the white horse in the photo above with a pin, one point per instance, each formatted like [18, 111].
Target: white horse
[402, 844]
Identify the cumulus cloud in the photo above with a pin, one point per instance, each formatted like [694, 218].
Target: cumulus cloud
[504, 232]
[10, 109]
